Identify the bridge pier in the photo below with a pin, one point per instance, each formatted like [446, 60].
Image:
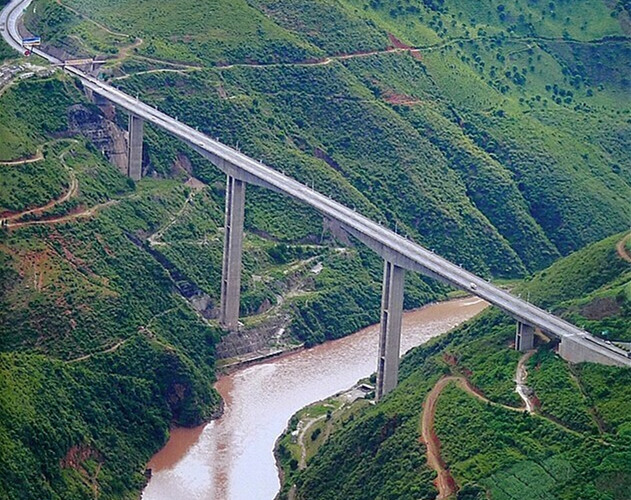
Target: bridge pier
[524, 337]
[232, 252]
[134, 147]
[390, 331]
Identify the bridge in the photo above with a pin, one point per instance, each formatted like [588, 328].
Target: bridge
[399, 253]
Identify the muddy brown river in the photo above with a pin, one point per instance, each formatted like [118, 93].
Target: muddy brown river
[231, 458]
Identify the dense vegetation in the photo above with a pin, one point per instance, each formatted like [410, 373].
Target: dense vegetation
[591, 288]
[577, 446]
[82, 300]
[517, 456]
[31, 114]
[98, 354]
[502, 143]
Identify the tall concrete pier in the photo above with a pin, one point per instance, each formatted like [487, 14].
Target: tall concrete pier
[134, 147]
[390, 332]
[524, 337]
[232, 252]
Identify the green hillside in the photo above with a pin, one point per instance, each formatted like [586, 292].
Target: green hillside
[102, 320]
[501, 142]
[575, 446]
[591, 288]
[98, 354]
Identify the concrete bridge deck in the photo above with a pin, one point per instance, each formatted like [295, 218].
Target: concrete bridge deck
[394, 248]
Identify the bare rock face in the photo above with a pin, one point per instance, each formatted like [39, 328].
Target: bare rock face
[239, 343]
[182, 163]
[103, 133]
[271, 334]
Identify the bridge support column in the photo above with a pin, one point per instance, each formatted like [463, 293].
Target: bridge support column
[232, 252]
[134, 148]
[390, 333]
[524, 337]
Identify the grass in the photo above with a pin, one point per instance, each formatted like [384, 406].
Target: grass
[578, 275]
[500, 145]
[491, 450]
[32, 185]
[559, 392]
[220, 31]
[31, 112]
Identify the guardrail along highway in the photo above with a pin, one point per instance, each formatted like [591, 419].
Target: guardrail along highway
[398, 251]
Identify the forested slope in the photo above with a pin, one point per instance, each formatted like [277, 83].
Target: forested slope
[501, 142]
[98, 355]
[102, 346]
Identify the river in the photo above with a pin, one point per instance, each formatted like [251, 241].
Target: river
[231, 458]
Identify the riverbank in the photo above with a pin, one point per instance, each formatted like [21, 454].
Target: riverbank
[233, 456]
[230, 365]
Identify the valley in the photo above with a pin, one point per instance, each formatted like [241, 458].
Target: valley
[495, 135]
[456, 427]
[260, 399]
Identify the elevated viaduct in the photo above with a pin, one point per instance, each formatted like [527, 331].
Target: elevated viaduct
[399, 253]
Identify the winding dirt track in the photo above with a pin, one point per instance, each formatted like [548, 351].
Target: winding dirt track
[105, 351]
[398, 47]
[72, 190]
[520, 380]
[35, 158]
[445, 482]
[621, 248]
[83, 16]
[155, 238]
[64, 218]
[301, 441]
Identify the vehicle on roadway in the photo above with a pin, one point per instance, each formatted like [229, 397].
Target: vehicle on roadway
[32, 41]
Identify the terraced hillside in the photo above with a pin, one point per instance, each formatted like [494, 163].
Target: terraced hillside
[575, 444]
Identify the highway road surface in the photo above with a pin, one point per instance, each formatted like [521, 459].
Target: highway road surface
[386, 242]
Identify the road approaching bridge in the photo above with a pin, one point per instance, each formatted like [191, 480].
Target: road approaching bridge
[398, 252]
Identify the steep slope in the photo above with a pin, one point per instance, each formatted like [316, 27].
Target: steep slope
[500, 142]
[98, 354]
[590, 288]
[500, 145]
[576, 444]
[109, 289]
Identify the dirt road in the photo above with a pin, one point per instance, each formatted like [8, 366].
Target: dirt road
[622, 249]
[64, 218]
[105, 351]
[35, 158]
[445, 483]
[72, 190]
